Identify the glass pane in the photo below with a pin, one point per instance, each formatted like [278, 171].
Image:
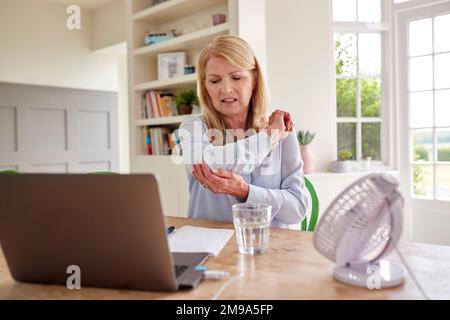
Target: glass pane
[371, 140]
[344, 10]
[346, 97]
[370, 97]
[423, 181]
[345, 53]
[442, 71]
[369, 50]
[347, 138]
[422, 145]
[443, 182]
[369, 10]
[420, 37]
[442, 104]
[441, 37]
[443, 144]
[420, 73]
[421, 109]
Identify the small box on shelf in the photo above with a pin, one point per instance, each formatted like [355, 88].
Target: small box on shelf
[189, 69]
[219, 18]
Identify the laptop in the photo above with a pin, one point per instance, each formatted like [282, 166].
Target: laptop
[110, 226]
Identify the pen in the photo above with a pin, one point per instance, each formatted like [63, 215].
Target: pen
[212, 274]
[201, 268]
[170, 230]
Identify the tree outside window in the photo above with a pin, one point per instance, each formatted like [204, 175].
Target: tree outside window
[358, 78]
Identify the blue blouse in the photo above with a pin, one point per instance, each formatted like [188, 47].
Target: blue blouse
[274, 175]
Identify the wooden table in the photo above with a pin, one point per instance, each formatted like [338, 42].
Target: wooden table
[291, 269]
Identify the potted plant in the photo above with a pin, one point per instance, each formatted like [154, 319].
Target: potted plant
[185, 100]
[304, 139]
[343, 164]
[366, 159]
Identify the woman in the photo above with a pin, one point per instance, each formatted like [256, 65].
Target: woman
[232, 155]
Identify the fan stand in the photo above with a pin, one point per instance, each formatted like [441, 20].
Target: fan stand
[377, 275]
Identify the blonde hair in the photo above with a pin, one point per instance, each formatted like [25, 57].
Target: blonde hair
[240, 55]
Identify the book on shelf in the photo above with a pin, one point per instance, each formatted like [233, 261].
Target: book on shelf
[160, 141]
[157, 104]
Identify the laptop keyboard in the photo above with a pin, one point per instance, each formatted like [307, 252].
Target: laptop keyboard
[179, 269]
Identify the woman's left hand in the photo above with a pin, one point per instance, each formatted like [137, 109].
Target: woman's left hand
[221, 181]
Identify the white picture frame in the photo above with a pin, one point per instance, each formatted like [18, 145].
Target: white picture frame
[171, 65]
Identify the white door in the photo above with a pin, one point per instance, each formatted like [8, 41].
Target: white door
[423, 83]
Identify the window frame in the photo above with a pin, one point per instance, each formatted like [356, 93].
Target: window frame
[435, 163]
[384, 28]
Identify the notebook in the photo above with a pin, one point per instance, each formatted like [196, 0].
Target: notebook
[198, 239]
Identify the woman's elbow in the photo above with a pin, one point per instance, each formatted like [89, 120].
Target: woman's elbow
[296, 212]
[302, 209]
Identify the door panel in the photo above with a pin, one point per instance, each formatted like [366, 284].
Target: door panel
[423, 62]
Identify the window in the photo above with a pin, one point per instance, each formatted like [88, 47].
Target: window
[359, 49]
[429, 106]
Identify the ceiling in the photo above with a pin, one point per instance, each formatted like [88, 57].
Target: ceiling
[85, 4]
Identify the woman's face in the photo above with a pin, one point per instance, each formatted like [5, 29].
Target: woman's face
[230, 88]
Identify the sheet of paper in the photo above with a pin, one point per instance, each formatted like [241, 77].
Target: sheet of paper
[197, 239]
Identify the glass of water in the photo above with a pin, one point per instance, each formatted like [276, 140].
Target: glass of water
[251, 223]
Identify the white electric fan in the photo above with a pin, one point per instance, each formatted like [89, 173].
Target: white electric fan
[362, 225]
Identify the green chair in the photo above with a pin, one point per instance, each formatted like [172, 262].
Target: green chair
[314, 209]
[9, 172]
[102, 172]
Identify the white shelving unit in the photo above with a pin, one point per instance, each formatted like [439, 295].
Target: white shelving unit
[186, 80]
[192, 19]
[197, 39]
[172, 10]
[160, 121]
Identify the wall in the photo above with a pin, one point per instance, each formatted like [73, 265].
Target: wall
[42, 51]
[300, 67]
[108, 37]
[108, 25]
[37, 48]
[57, 130]
[251, 24]
[124, 131]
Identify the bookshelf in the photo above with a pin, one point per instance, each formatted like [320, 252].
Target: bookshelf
[160, 121]
[170, 10]
[166, 84]
[192, 20]
[197, 39]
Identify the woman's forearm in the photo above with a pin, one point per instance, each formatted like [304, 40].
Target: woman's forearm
[242, 156]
